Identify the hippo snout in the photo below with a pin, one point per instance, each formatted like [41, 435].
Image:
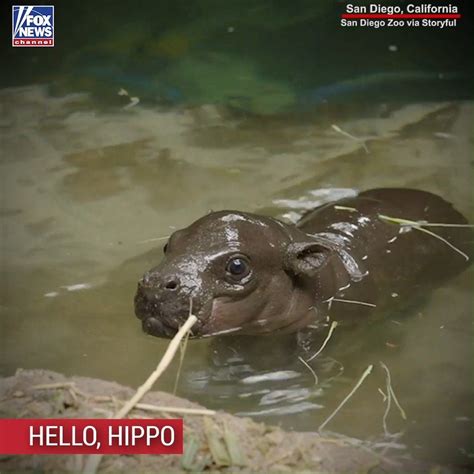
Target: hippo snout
[161, 304]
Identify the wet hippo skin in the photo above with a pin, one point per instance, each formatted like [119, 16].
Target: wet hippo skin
[250, 274]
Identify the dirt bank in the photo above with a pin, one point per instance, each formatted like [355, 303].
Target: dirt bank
[256, 447]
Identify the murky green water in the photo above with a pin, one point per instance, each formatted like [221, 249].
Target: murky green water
[90, 188]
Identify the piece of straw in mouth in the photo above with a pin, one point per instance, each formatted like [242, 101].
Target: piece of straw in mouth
[182, 352]
[93, 461]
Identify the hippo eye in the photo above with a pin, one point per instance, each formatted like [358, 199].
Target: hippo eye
[238, 267]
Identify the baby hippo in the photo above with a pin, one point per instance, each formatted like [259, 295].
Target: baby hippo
[346, 261]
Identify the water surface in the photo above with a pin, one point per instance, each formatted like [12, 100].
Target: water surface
[90, 193]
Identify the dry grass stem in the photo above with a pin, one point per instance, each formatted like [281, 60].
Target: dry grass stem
[363, 303]
[392, 392]
[418, 225]
[384, 397]
[161, 367]
[352, 137]
[387, 407]
[69, 386]
[345, 208]
[156, 239]
[366, 373]
[93, 461]
[182, 352]
[313, 373]
[331, 330]
[183, 410]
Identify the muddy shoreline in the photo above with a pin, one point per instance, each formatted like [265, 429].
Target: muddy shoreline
[262, 447]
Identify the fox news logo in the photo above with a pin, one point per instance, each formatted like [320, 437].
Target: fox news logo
[33, 25]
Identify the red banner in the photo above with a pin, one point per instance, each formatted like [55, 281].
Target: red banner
[90, 436]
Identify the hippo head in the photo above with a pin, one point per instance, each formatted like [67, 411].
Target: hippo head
[242, 273]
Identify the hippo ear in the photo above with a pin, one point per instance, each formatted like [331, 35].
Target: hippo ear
[306, 258]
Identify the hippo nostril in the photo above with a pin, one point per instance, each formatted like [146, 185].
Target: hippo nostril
[171, 285]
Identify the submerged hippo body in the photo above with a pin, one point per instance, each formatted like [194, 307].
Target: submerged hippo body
[344, 261]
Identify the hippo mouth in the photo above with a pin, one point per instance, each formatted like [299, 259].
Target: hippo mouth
[153, 321]
[158, 328]
[155, 326]
[157, 322]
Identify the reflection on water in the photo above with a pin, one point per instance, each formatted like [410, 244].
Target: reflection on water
[90, 194]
